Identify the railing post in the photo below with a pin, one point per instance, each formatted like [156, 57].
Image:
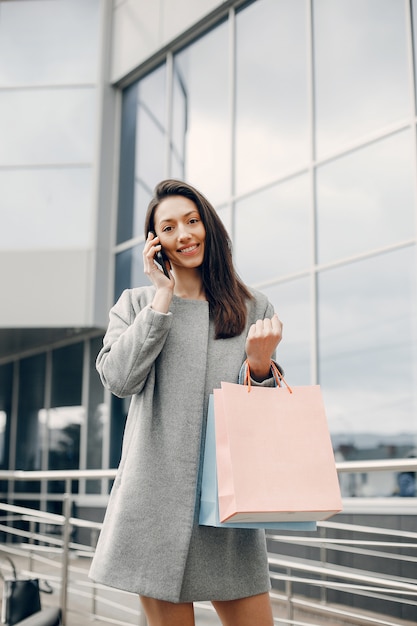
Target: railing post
[93, 543]
[288, 591]
[65, 555]
[31, 541]
[323, 560]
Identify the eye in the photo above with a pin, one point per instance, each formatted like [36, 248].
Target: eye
[166, 229]
[194, 220]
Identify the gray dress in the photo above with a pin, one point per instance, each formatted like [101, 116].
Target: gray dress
[151, 543]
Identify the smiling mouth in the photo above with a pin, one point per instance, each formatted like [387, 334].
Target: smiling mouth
[188, 249]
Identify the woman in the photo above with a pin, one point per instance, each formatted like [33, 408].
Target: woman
[168, 346]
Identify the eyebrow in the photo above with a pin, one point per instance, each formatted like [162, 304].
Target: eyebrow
[171, 219]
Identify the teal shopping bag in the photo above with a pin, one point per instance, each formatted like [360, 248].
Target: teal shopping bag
[209, 505]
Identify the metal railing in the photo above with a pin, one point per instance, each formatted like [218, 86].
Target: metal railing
[310, 584]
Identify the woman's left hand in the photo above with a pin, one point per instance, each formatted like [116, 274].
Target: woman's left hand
[262, 340]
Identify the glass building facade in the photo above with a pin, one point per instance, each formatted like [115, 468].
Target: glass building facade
[301, 130]
[297, 119]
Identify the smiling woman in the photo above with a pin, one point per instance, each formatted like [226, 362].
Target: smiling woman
[182, 215]
[181, 232]
[169, 346]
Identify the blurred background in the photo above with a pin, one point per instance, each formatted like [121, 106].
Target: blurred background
[296, 118]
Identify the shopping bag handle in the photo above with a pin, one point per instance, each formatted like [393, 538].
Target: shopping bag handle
[7, 558]
[279, 378]
[47, 587]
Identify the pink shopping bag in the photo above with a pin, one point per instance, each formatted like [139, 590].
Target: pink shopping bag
[209, 502]
[274, 455]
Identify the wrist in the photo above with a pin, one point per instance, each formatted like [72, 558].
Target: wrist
[259, 370]
[162, 299]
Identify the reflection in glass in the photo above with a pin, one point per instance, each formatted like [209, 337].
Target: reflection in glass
[292, 303]
[366, 199]
[150, 164]
[361, 68]
[151, 94]
[67, 413]
[53, 204]
[142, 198]
[179, 126]
[271, 91]
[125, 212]
[142, 154]
[31, 402]
[368, 353]
[97, 417]
[47, 126]
[47, 42]
[272, 231]
[151, 131]
[129, 270]
[6, 385]
[202, 71]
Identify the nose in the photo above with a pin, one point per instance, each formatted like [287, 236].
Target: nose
[183, 234]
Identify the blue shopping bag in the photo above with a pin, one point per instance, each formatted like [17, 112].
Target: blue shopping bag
[209, 505]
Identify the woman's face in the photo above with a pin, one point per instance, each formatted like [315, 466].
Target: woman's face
[180, 231]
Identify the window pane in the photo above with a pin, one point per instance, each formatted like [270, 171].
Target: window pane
[179, 127]
[47, 42]
[97, 417]
[125, 212]
[150, 156]
[6, 385]
[273, 231]
[366, 199]
[361, 68]
[143, 151]
[31, 430]
[55, 206]
[152, 89]
[129, 270]
[292, 302]
[47, 126]
[271, 91]
[150, 160]
[202, 70]
[67, 413]
[368, 355]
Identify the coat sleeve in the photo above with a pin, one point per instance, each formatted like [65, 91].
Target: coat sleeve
[135, 336]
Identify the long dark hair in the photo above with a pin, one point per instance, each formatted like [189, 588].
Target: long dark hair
[225, 292]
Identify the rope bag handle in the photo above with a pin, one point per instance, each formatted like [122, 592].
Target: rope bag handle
[279, 378]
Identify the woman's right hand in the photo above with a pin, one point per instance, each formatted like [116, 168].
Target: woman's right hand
[164, 286]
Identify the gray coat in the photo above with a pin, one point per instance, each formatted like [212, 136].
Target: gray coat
[151, 542]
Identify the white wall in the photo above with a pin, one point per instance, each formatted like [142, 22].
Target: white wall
[142, 27]
[58, 163]
[45, 288]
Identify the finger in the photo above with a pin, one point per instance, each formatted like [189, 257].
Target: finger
[267, 324]
[261, 327]
[150, 249]
[149, 252]
[276, 323]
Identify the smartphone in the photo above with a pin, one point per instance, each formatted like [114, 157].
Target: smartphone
[160, 259]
